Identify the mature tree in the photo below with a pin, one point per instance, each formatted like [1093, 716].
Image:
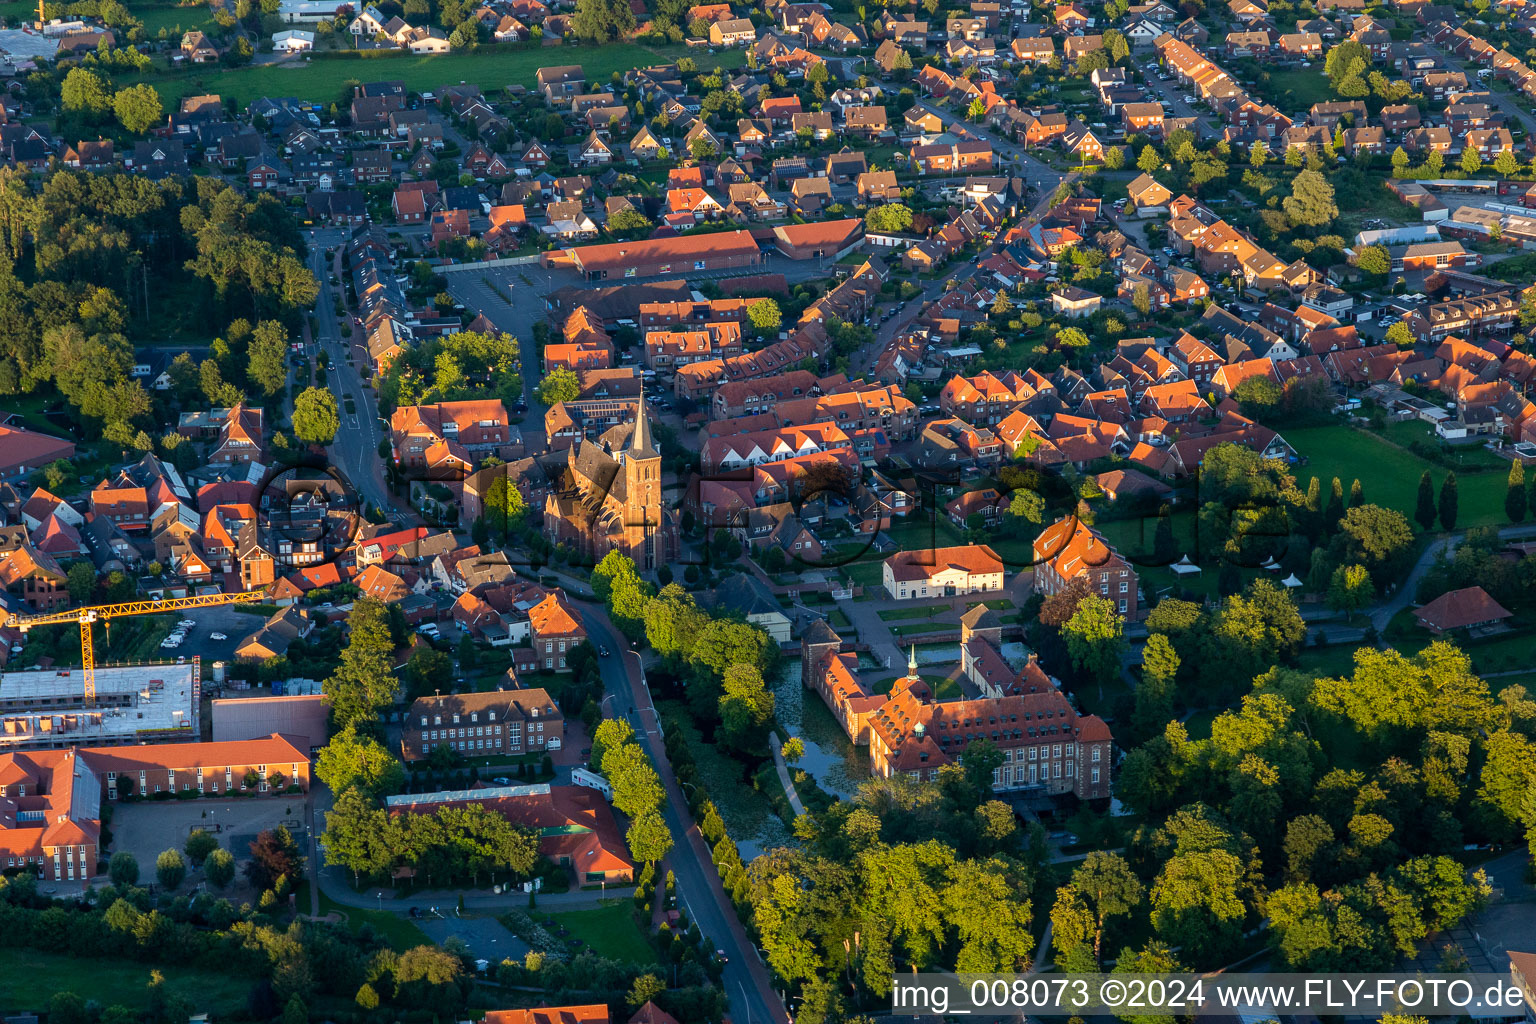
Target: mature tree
[890, 218]
[199, 845]
[636, 786]
[268, 353]
[86, 92]
[138, 108]
[1508, 775]
[315, 420]
[629, 222]
[1095, 636]
[350, 759]
[274, 855]
[610, 734]
[1258, 395]
[1197, 904]
[602, 21]
[1514, 494]
[1114, 158]
[1072, 337]
[1311, 203]
[80, 581]
[648, 837]
[1471, 160]
[1350, 590]
[504, 504]
[1109, 888]
[672, 622]
[1389, 694]
[1424, 509]
[1155, 695]
[1378, 538]
[560, 385]
[170, 868]
[123, 868]
[1448, 502]
[219, 868]
[1307, 838]
[1148, 159]
[364, 682]
[764, 315]
[1374, 259]
[722, 643]
[746, 705]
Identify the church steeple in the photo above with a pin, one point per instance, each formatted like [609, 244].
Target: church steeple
[640, 444]
[912, 663]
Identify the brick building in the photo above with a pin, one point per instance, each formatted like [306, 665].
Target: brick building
[497, 723]
[50, 800]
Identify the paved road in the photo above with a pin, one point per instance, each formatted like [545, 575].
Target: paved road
[746, 981]
[1505, 101]
[1382, 613]
[356, 449]
[1015, 158]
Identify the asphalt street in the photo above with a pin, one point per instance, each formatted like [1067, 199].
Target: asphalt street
[747, 984]
[356, 448]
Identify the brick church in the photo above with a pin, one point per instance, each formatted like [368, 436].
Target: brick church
[609, 498]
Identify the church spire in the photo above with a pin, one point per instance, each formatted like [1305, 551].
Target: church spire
[912, 663]
[640, 443]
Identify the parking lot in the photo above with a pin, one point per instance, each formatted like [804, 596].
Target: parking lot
[486, 938]
[148, 828]
[235, 625]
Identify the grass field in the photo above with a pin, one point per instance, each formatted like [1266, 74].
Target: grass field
[609, 930]
[399, 931]
[1390, 475]
[28, 979]
[321, 81]
[172, 18]
[1299, 88]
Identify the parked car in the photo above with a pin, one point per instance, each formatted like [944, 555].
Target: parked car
[218, 636]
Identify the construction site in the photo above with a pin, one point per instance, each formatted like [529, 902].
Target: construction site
[97, 705]
[47, 708]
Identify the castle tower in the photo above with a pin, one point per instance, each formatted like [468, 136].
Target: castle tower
[817, 642]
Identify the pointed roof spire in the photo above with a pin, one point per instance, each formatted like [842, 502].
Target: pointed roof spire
[640, 443]
[912, 663]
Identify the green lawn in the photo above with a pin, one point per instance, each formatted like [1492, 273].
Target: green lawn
[1299, 88]
[925, 611]
[396, 929]
[1390, 475]
[609, 931]
[491, 69]
[175, 20]
[29, 978]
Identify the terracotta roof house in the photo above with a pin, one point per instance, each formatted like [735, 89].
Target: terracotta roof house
[1469, 608]
[938, 572]
[1070, 549]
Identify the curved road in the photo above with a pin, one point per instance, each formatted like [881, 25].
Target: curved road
[747, 983]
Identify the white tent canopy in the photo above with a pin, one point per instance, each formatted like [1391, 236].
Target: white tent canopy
[1184, 566]
[1290, 581]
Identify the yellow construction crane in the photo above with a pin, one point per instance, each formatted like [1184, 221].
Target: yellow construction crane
[105, 613]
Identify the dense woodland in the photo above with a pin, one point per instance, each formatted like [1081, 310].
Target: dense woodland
[94, 266]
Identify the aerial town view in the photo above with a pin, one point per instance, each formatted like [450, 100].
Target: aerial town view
[630, 512]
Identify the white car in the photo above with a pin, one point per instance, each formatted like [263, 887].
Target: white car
[186, 623]
[217, 636]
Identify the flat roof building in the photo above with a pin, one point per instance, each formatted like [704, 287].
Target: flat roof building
[45, 708]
